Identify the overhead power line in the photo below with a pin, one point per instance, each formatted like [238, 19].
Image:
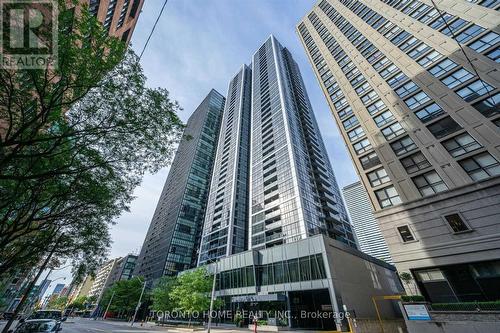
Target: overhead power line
[153, 29]
[461, 48]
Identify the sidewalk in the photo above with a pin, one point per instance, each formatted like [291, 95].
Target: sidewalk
[221, 328]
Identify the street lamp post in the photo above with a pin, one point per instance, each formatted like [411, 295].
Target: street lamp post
[107, 308]
[212, 297]
[138, 304]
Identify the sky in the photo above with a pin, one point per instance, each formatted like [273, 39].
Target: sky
[199, 45]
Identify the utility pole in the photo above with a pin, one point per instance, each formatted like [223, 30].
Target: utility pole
[138, 304]
[212, 297]
[107, 308]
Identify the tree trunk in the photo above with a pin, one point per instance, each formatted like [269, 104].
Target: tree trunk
[30, 287]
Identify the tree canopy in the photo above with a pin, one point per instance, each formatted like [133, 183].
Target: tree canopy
[57, 303]
[125, 294]
[74, 143]
[160, 295]
[79, 303]
[191, 293]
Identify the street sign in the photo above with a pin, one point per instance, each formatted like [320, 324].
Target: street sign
[416, 312]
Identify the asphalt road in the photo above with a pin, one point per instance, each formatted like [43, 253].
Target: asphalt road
[80, 325]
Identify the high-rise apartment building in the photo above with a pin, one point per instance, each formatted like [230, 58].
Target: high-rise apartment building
[101, 279]
[300, 252]
[293, 190]
[368, 235]
[279, 166]
[414, 89]
[119, 17]
[172, 241]
[226, 219]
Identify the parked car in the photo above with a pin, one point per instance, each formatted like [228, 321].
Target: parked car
[38, 326]
[48, 314]
[8, 315]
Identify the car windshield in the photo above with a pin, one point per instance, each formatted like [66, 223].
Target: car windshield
[47, 315]
[31, 327]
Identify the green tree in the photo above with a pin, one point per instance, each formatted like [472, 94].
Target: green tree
[78, 303]
[125, 293]
[57, 303]
[407, 279]
[191, 294]
[75, 140]
[161, 294]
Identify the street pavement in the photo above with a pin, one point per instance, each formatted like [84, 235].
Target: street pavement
[84, 325]
[81, 325]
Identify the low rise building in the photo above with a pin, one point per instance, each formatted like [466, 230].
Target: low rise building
[301, 279]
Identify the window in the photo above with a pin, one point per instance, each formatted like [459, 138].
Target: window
[469, 33]
[443, 67]
[415, 162]
[461, 144]
[474, 90]
[397, 80]
[431, 275]
[489, 106]
[485, 42]
[370, 97]
[345, 112]
[409, 44]
[455, 26]
[444, 127]
[417, 100]
[430, 58]
[376, 107]
[400, 37]
[439, 23]
[429, 112]
[356, 134]
[405, 233]
[403, 146]
[387, 197]
[351, 122]
[374, 57]
[369, 161]
[381, 63]
[457, 78]
[389, 71]
[406, 89]
[481, 166]
[431, 15]
[362, 146]
[393, 131]
[384, 118]
[494, 54]
[419, 51]
[336, 95]
[456, 223]
[429, 183]
[363, 88]
[378, 177]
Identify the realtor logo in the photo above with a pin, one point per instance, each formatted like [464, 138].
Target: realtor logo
[28, 34]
